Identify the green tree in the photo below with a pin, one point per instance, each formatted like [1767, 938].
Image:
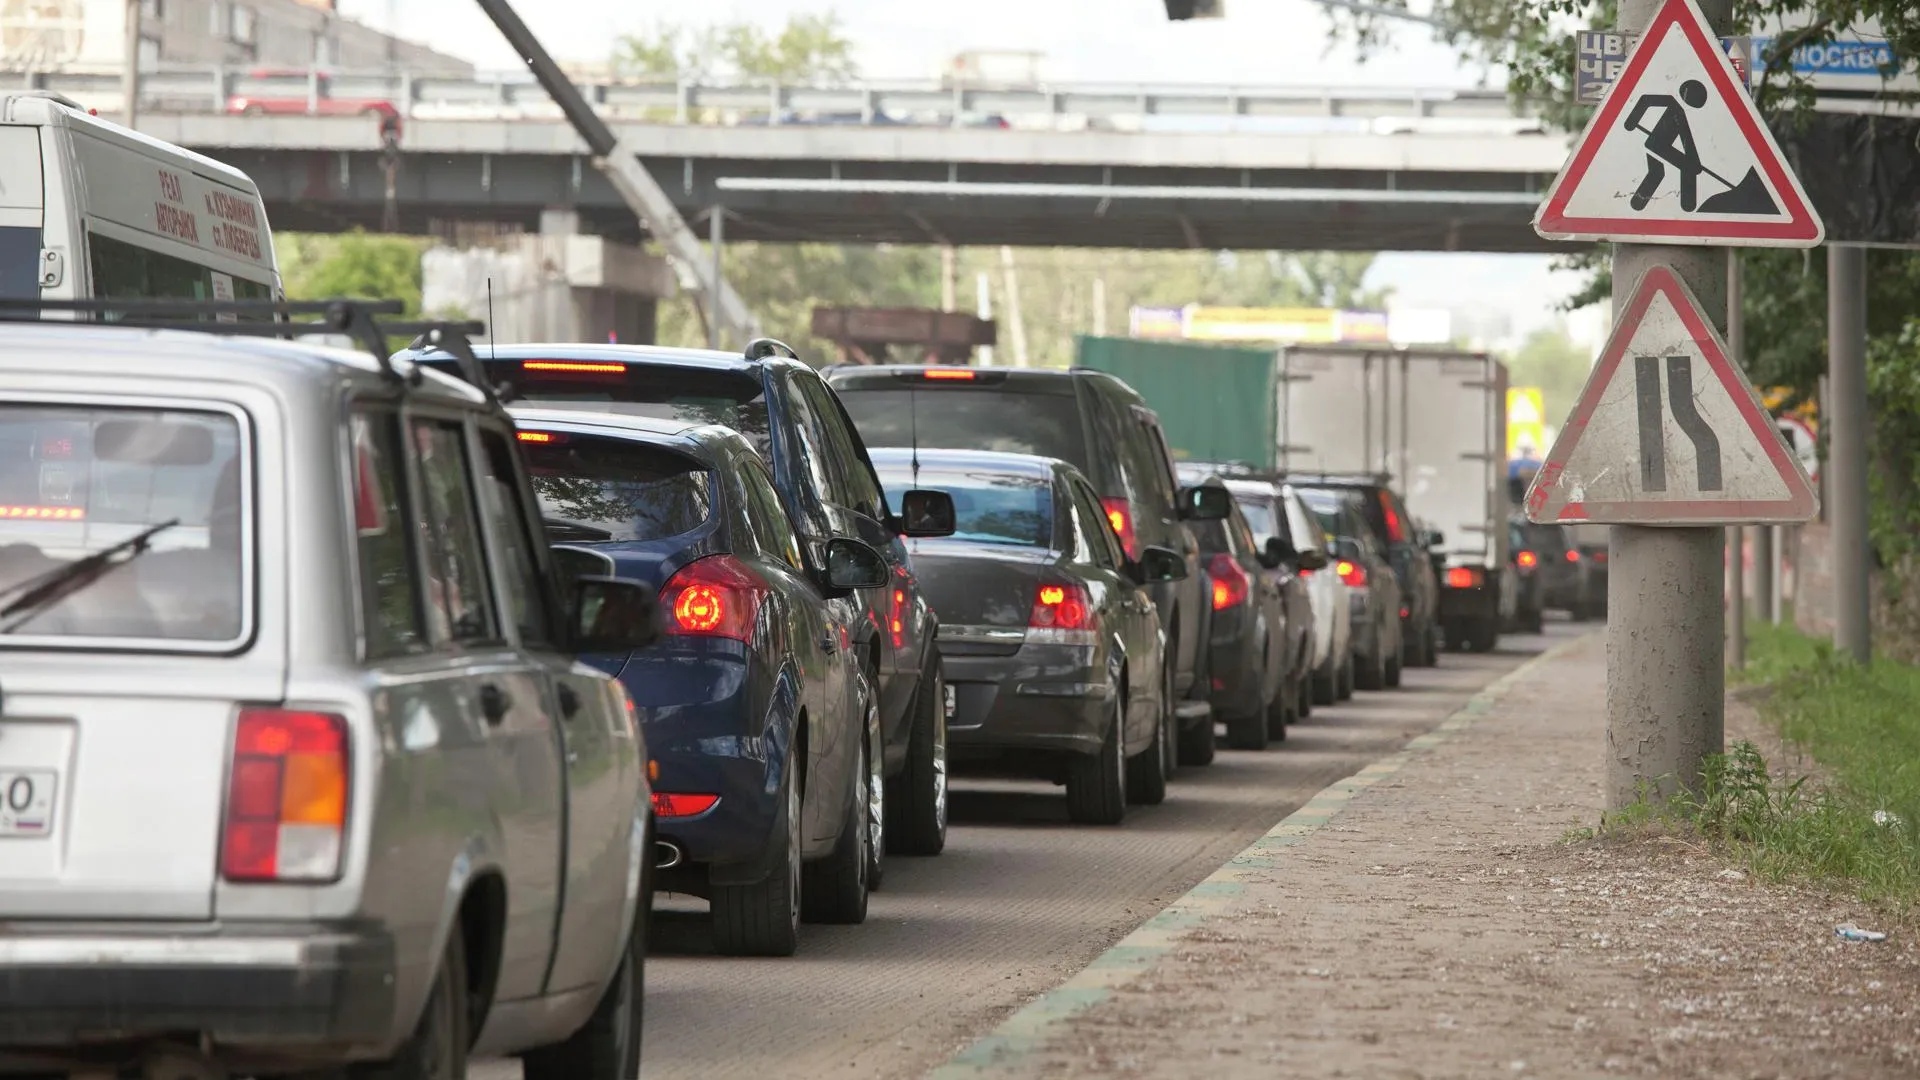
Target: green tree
[357, 265]
[809, 48]
[1552, 361]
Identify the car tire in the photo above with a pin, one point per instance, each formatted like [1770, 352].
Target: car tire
[437, 1049]
[1373, 674]
[1483, 635]
[1303, 686]
[763, 919]
[607, 1046]
[1391, 676]
[1197, 742]
[875, 790]
[1346, 678]
[1097, 782]
[1147, 771]
[834, 889]
[917, 798]
[1326, 684]
[1284, 709]
[1169, 723]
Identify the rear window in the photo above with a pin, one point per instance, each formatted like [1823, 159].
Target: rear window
[599, 489]
[730, 399]
[970, 418]
[989, 508]
[78, 480]
[1259, 514]
[1325, 506]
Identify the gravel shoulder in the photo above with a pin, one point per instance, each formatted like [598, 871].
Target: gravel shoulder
[1443, 924]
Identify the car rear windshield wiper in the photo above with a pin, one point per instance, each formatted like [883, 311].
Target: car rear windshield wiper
[56, 585]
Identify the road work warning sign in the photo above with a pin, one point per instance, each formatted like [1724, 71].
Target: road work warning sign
[1667, 432]
[1677, 154]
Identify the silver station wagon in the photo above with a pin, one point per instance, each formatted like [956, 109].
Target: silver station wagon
[298, 770]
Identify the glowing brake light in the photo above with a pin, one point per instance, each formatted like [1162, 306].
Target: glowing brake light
[1396, 531]
[1527, 560]
[1230, 584]
[954, 374]
[1599, 556]
[715, 596]
[578, 367]
[286, 812]
[1062, 614]
[538, 437]
[1351, 572]
[1463, 577]
[669, 805]
[42, 513]
[896, 623]
[1573, 554]
[1120, 516]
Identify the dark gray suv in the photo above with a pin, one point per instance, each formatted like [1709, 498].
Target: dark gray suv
[1091, 420]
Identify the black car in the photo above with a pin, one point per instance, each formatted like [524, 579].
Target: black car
[1566, 579]
[762, 726]
[1408, 550]
[827, 485]
[1361, 563]
[1052, 644]
[1090, 420]
[1530, 573]
[1257, 659]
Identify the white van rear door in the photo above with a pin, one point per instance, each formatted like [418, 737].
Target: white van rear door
[22, 211]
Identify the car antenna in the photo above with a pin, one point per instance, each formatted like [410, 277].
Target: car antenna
[505, 390]
[913, 432]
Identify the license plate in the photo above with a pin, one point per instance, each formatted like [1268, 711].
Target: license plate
[950, 700]
[26, 801]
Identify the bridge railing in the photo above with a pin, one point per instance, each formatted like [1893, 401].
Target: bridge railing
[216, 89]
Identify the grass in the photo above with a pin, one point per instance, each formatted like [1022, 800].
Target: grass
[1858, 824]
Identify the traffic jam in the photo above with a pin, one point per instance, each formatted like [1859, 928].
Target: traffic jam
[361, 689]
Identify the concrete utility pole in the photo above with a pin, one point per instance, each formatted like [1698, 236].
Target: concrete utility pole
[983, 291]
[716, 239]
[130, 72]
[1737, 534]
[949, 277]
[1666, 665]
[1843, 415]
[1099, 306]
[1015, 326]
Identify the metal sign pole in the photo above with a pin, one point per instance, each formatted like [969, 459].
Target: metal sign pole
[1737, 535]
[1843, 415]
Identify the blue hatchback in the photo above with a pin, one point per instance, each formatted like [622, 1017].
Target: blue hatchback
[762, 726]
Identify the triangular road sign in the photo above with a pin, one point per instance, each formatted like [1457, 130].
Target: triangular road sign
[1667, 432]
[1677, 154]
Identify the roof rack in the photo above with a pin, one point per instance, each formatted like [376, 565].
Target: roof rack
[1374, 477]
[353, 318]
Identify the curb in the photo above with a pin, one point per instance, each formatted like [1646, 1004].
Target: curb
[1028, 1029]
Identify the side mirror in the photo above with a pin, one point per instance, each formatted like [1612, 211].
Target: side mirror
[1312, 559]
[1205, 503]
[1435, 538]
[926, 513]
[612, 615]
[1276, 552]
[1158, 564]
[853, 565]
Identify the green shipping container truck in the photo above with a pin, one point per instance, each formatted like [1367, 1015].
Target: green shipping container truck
[1216, 404]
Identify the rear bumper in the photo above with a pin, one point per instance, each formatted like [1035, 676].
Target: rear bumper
[1235, 666]
[1043, 697]
[306, 992]
[1477, 602]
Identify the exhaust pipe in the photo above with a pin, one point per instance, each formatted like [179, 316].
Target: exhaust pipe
[666, 855]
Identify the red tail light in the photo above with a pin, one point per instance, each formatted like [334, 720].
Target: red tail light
[543, 438]
[957, 374]
[1526, 560]
[668, 805]
[716, 596]
[1573, 555]
[1351, 572]
[1120, 516]
[896, 618]
[1463, 577]
[286, 817]
[1230, 584]
[1061, 613]
[1396, 530]
[574, 367]
[1599, 556]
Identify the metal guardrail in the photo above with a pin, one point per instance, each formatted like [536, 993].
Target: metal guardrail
[211, 89]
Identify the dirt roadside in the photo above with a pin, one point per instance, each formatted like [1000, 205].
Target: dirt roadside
[1442, 926]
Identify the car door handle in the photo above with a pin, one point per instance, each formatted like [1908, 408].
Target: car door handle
[494, 703]
[569, 702]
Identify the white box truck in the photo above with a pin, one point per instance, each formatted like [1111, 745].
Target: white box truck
[1433, 422]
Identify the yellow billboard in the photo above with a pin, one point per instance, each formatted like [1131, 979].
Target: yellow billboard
[1526, 423]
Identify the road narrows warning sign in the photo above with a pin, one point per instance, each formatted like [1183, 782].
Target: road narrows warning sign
[1677, 154]
[1667, 432]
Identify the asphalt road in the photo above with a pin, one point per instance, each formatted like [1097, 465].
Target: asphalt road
[1020, 901]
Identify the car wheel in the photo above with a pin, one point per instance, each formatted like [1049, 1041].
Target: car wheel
[1346, 683]
[1326, 683]
[917, 798]
[763, 919]
[1303, 689]
[1248, 731]
[1483, 636]
[607, 1046]
[1284, 709]
[1391, 677]
[1097, 783]
[1147, 770]
[1169, 721]
[876, 814]
[437, 1049]
[834, 889]
[1197, 742]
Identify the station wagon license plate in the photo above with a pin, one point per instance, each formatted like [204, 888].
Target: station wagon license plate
[26, 801]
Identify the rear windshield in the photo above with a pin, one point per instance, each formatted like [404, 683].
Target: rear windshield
[729, 399]
[970, 418]
[1326, 507]
[1259, 514]
[78, 480]
[597, 489]
[989, 508]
